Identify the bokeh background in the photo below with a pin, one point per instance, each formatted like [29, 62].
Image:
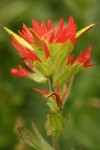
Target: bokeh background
[19, 104]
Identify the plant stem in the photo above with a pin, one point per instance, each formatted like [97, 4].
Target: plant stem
[55, 143]
[55, 138]
[51, 84]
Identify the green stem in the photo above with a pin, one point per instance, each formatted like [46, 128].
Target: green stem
[55, 143]
[51, 84]
[55, 138]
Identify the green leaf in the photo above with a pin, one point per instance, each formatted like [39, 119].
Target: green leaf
[34, 139]
[38, 77]
[19, 39]
[40, 54]
[63, 52]
[68, 118]
[29, 138]
[61, 59]
[45, 68]
[82, 31]
[54, 49]
[55, 123]
[40, 138]
[69, 73]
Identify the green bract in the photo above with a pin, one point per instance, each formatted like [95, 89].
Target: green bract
[59, 55]
[55, 123]
[46, 68]
[82, 31]
[69, 72]
[19, 39]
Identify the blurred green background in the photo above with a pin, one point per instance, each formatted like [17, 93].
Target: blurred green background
[17, 98]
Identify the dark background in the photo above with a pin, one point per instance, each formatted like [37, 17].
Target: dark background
[19, 102]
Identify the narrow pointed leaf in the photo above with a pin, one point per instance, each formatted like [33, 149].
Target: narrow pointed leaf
[29, 138]
[68, 118]
[19, 39]
[81, 32]
[44, 92]
[40, 138]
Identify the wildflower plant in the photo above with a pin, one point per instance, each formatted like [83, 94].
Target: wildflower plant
[47, 51]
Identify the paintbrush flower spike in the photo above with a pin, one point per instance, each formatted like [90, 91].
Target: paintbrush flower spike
[47, 56]
[46, 50]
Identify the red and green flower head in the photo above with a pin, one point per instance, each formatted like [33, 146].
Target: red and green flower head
[46, 50]
[56, 34]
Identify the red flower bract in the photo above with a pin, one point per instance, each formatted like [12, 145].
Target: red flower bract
[46, 50]
[66, 33]
[55, 95]
[24, 52]
[26, 34]
[43, 45]
[85, 58]
[21, 72]
[41, 35]
[51, 34]
[44, 31]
